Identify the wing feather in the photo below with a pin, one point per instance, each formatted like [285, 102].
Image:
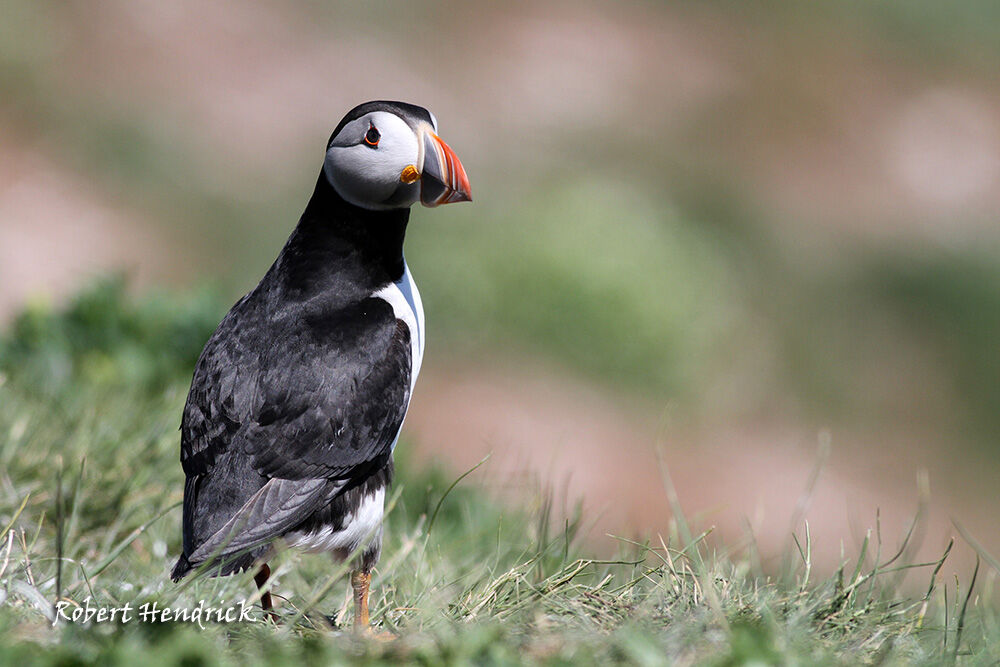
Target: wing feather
[275, 509]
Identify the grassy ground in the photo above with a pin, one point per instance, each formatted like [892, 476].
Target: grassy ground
[89, 508]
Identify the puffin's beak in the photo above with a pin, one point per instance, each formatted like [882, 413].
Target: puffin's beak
[442, 179]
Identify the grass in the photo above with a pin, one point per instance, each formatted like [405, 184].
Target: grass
[89, 509]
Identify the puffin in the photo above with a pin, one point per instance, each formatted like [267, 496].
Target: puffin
[298, 398]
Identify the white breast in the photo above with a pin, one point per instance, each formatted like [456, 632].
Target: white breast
[404, 298]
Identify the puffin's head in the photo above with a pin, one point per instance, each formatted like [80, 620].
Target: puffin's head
[387, 155]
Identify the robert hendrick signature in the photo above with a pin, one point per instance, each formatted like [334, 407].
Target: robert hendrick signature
[152, 612]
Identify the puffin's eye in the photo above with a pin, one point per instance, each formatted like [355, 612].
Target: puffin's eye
[372, 136]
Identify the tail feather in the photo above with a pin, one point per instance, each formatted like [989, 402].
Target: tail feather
[181, 567]
[221, 566]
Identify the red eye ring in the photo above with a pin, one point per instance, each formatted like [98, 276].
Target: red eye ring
[372, 136]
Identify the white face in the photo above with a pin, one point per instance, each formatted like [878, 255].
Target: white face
[370, 173]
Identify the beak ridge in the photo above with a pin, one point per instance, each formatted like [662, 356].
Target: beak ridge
[443, 179]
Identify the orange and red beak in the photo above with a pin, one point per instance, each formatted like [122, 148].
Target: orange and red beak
[442, 177]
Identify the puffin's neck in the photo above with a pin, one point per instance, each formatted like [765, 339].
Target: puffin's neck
[343, 247]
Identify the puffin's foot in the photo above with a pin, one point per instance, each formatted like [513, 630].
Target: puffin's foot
[361, 581]
[378, 635]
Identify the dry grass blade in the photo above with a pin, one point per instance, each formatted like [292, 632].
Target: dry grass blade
[707, 585]
[17, 513]
[930, 587]
[960, 627]
[974, 543]
[802, 504]
[437, 508]
[110, 558]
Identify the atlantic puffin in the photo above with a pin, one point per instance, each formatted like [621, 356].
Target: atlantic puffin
[299, 396]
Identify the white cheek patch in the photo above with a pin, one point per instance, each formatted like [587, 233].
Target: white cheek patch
[367, 176]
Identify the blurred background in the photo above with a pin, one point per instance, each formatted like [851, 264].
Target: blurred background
[752, 237]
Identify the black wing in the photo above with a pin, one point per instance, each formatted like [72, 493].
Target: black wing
[220, 399]
[279, 418]
[331, 395]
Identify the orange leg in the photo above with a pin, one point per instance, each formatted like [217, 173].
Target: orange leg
[263, 574]
[360, 582]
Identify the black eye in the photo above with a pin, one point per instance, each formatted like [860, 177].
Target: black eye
[372, 136]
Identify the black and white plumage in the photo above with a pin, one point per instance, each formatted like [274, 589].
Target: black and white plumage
[299, 396]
